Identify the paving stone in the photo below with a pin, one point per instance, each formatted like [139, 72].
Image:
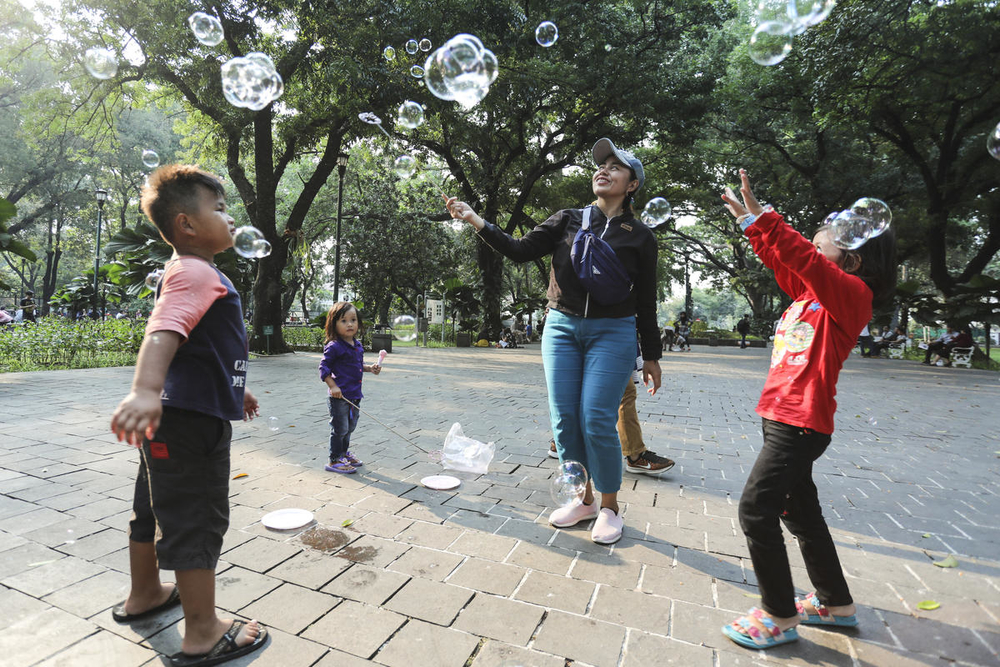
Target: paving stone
[92, 547]
[489, 577]
[17, 606]
[51, 576]
[631, 609]
[930, 634]
[336, 658]
[605, 569]
[419, 643]
[37, 517]
[679, 583]
[42, 635]
[429, 535]
[373, 551]
[547, 559]
[581, 639]
[431, 601]
[103, 648]
[290, 608]
[24, 557]
[476, 520]
[369, 627]
[698, 624]
[311, 569]
[237, 587]
[260, 555]
[90, 596]
[555, 592]
[482, 545]
[366, 584]
[497, 618]
[380, 525]
[500, 654]
[643, 649]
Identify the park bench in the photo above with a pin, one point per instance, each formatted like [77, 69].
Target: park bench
[961, 356]
[896, 349]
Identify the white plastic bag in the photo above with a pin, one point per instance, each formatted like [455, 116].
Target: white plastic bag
[466, 454]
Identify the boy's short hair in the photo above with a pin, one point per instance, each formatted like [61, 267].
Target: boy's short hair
[173, 189]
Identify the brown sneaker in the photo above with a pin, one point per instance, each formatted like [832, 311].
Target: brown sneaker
[552, 449]
[648, 463]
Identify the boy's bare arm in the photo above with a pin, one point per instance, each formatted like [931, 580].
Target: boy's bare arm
[139, 413]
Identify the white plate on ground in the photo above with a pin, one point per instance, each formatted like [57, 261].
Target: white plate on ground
[287, 519]
[441, 482]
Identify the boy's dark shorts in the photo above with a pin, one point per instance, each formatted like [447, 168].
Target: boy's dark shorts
[181, 499]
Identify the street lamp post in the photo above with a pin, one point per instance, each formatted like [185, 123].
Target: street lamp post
[341, 169]
[102, 196]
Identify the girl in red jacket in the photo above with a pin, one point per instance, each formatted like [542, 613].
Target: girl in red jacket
[832, 292]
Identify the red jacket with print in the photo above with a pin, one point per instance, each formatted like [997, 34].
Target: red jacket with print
[816, 333]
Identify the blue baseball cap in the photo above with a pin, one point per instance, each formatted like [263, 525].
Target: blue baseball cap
[604, 148]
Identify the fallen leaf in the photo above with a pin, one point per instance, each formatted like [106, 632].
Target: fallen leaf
[752, 595]
[291, 426]
[928, 605]
[240, 476]
[949, 561]
[347, 522]
[926, 535]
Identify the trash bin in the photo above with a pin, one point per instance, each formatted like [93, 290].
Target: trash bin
[382, 341]
[463, 339]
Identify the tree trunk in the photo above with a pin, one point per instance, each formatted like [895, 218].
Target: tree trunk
[491, 268]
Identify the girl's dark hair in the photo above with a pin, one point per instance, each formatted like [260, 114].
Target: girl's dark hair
[878, 265]
[337, 312]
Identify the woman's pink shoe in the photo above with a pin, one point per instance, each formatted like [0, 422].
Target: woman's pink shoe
[564, 517]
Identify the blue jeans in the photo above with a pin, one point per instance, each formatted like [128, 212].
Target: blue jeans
[587, 363]
[343, 421]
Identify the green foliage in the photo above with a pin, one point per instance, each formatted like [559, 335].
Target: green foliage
[304, 338]
[55, 343]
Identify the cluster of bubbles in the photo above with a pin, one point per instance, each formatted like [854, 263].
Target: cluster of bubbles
[251, 81]
[151, 158]
[153, 279]
[404, 328]
[547, 33]
[851, 228]
[778, 21]
[101, 63]
[250, 242]
[993, 142]
[412, 46]
[462, 70]
[569, 484]
[207, 29]
[657, 212]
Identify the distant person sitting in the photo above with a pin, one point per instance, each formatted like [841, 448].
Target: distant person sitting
[682, 329]
[888, 339]
[963, 339]
[743, 328]
[668, 337]
[939, 345]
[28, 306]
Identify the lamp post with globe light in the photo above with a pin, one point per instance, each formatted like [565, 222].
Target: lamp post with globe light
[341, 169]
[101, 195]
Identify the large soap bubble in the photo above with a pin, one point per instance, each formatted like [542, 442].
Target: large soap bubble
[849, 230]
[251, 81]
[206, 28]
[461, 70]
[101, 63]
[875, 211]
[657, 212]
[411, 114]
[404, 166]
[153, 279]
[250, 242]
[770, 43]
[404, 328]
[569, 485]
[546, 33]
[993, 142]
[150, 158]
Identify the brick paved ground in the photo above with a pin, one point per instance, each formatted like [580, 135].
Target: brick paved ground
[477, 576]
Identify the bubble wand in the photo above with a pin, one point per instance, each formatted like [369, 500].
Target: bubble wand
[372, 119]
[389, 428]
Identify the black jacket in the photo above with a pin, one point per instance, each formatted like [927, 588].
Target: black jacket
[632, 242]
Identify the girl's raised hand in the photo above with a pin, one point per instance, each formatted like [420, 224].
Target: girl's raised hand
[749, 204]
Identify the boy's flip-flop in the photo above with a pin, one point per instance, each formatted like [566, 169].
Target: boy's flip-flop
[122, 616]
[772, 635]
[823, 615]
[225, 649]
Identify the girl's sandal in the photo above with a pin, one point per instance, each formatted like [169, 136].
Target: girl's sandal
[353, 460]
[753, 637]
[822, 615]
[340, 466]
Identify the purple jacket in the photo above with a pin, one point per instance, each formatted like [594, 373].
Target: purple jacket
[345, 363]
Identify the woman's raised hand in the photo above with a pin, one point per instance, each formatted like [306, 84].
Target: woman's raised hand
[749, 204]
[459, 210]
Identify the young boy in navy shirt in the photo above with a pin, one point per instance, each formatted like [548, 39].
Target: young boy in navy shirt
[189, 383]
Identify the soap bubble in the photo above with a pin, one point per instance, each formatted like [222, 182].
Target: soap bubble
[272, 423]
[206, 28]
[251, 81]
[993, 142]
[770, 44]
[657, 212]
[150, 158]
[461, 70]
[875, 211]
[411, 114]
[389, 53]
[101, 63]
[246, 242]
[828, 220]
[491, 65]
[425, 45]
[262, 248]
[404, 328]
[568, 486]
[153, 279]
[607, 47]
[546, 33]
[411, 46]
[849, 230]
[417, 72]
[404, 166]
[817, 16]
